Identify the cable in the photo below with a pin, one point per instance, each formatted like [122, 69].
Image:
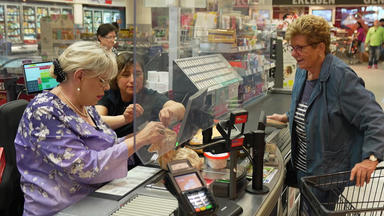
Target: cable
[248, 155]
[204, 146]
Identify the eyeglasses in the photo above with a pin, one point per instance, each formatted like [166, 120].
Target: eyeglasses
[299, 48]
[110, 37]
[103, 82]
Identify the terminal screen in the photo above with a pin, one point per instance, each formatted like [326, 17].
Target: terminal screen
[37, 77]
[188, 182]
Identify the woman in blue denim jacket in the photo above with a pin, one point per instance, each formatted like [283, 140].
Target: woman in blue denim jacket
[336, 124]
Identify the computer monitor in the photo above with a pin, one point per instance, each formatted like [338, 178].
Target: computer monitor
[198, 115]
[325, 13]
[37, 77]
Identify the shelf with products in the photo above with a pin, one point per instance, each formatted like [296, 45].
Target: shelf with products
[57, 33]
[250, 58]
[13, 23]
[40, 12]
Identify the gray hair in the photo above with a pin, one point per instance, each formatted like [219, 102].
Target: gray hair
[89, 56]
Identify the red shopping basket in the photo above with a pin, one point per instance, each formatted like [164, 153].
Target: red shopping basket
[352, 200]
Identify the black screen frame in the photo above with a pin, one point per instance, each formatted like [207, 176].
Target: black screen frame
[25, 77]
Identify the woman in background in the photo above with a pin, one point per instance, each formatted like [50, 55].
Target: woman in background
[106, 35]
[361, 33]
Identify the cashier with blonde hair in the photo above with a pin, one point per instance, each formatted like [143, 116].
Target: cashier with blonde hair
[64, 150]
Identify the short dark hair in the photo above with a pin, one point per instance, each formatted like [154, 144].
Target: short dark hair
[116, 25]
[105, 29]
[124, 60]
[381, 20]
[286, 16]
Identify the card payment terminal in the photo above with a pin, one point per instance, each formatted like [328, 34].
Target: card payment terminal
[190, 189]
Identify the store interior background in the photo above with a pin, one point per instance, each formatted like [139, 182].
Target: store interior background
[248, 34]
[42, 29]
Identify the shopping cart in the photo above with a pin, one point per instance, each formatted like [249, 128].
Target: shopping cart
[353, 49]
[350, 199]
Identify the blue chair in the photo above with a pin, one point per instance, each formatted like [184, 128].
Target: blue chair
[11, 195]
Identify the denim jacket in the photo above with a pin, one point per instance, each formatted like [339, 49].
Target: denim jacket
[344, 123]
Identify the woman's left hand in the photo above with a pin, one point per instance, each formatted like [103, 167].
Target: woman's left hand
[362, 172]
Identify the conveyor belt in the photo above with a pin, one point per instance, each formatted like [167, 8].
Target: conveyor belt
[282, 139]
[146, 206]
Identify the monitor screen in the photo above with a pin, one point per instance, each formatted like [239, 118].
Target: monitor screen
[37, 77]
[325, 13]
[188, 181]
[197, 116]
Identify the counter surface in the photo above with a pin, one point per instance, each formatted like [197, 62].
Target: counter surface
[252, 204]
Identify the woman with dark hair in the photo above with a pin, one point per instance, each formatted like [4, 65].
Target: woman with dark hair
[360, 40]
[106, 35]
[116, 107]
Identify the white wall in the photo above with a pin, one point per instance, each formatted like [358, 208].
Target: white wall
[78, 13]
[143, 14]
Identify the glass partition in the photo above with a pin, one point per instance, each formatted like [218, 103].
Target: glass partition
[219, 47]
[180, 48]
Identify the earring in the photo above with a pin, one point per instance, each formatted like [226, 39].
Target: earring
[78, 89]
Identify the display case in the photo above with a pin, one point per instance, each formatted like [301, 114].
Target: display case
[93, 18]
[66, 11]
[116, 16]
[40, 12]
[54, 11]
[97, 19]
[29, 25]
[87, 21]
[13, 23]
[107, 17]
[2, 22]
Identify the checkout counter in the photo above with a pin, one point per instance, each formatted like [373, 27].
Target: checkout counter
[145, 195]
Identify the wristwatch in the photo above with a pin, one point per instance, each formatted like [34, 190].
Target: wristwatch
[372, 158]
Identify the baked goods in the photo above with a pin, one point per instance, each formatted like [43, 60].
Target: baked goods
[181, 153]
[165, 145]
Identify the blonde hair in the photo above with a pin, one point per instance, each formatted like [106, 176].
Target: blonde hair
[89, 56]
[315, 28]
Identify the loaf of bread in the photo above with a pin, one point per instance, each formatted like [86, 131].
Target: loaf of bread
[181, 153]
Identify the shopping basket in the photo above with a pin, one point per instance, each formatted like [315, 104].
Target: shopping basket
[349, 199]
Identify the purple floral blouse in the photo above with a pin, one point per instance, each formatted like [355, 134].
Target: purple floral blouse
[62, 158]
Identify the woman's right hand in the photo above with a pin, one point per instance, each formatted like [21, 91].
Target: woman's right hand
[151, 133]
[279, 117]
[128, 113]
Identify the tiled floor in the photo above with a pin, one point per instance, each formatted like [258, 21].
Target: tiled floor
[374, 79]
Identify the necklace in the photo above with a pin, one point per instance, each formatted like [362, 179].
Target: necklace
[84, 113]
